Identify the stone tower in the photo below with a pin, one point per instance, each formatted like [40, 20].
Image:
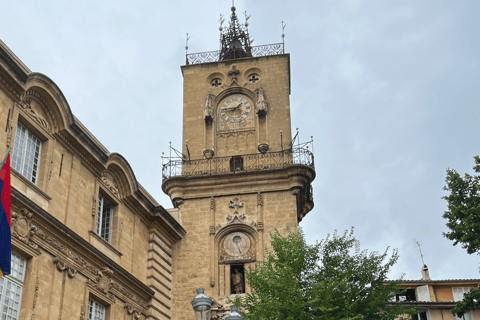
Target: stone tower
[240, 174]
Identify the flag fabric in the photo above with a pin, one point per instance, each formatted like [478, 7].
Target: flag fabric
[5, 218]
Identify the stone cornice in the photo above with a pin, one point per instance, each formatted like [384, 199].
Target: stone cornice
[9, 59]
[288, 178]
[63, 240]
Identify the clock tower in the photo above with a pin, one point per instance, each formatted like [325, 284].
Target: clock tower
[240, 175]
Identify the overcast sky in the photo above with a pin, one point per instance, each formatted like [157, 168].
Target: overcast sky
[389, 90]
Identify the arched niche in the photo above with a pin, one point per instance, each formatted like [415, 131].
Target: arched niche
[236, 246]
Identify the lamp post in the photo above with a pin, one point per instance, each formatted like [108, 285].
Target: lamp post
[201, 305]
[234, 315]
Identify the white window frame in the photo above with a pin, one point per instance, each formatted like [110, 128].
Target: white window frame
[96, 310]
[14, 280]
[26, 153]
[104, 219]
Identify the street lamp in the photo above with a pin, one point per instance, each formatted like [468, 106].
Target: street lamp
[234, 315]
[201, 305]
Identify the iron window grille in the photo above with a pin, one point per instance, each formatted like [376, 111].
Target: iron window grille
[26, 153]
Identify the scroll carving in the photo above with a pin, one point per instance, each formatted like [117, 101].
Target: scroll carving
[63, 266]
[29, 106]
[131, 310]
[261, 105]
[22, 228]
[208, 113]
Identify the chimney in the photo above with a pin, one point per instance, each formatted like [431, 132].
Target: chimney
[425, 273]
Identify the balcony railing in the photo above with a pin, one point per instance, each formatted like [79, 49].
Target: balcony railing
[238, 164]
[214, 56]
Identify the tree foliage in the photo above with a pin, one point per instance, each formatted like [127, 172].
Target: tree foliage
[463, 212]
[332, 279]
[471, 301]
[463, 217]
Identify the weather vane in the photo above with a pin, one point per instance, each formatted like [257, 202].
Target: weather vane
[283, 35]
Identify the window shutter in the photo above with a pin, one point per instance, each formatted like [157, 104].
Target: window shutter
[423, 294]
[459, 292]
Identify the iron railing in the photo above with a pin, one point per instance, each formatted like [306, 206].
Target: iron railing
[257, 51]
[237, 164]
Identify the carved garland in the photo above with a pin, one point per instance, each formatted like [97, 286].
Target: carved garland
[62, 266]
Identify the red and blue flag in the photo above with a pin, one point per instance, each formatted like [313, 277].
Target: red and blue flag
[5, 217]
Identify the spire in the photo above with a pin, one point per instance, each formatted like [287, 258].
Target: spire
[234, 40]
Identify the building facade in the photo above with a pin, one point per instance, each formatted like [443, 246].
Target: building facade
[89, 242]
[436, 298]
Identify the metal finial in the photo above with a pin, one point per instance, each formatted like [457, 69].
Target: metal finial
[283, 35]
[186, 43]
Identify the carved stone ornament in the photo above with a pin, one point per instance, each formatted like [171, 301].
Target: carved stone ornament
[35, 295]
[261, 105]
[63, 266]
[9, 134]
[237, 218]
[208, 153]
[259, 199]
[235, 204]
[263, 147]
[234, 72]
[208, 112]
[83, 311]
[110, 183]
[104, 281]
[33, 110]
[131, 310]
[218, 311]
[22, 228]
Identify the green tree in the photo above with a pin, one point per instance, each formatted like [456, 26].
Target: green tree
[463, 212]
[332, 279]
[463, 217]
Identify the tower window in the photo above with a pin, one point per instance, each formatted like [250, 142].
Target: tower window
[104, 218]
[237, 279]
[236, 163]
[26, 153]
[253, 78]
[216, 82]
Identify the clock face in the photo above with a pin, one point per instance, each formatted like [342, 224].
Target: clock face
[235, 109]
[236, 244]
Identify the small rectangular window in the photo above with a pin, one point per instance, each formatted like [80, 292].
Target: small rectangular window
[104, 218]
[459, 292]
[11, 287]
[26, 153]
[96, 311]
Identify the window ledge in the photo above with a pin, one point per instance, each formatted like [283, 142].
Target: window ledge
[30, 184]
[108, 245]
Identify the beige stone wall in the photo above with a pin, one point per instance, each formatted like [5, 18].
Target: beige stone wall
[193, 255]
